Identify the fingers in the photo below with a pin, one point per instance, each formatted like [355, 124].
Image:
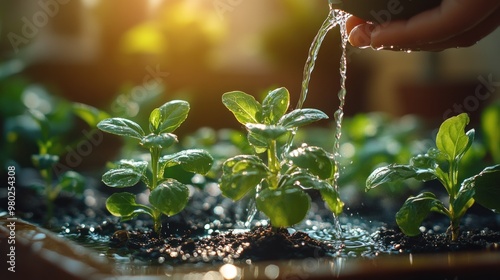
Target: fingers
[360, 35]
[455, 23]
[352, 22]
[467, 38]
[433, 26]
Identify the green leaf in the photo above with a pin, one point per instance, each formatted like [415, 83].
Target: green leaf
[45, 161]
[304, 180]
[463, 201]
[244, 106]
[170, 197]
[451, 138]
[309, 181]
[154, 119]
[315, 160]
[121, 177]
[122, 127]
[259, 142]
[425, 161]
[487, 187]
[91, 115]
[275, 105]
[123, 205]
[396, 172]
[332, 199]
[284, 207]
[137, 165]
[72, 181]
[300, 117]
[172, 115]
[269, 132]
[161, 141]
[240, 174]
[192, 160]
[415, 210]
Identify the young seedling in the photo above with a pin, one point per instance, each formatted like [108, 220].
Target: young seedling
[47, 160]
[279, 180]
[167, 195]
[442, 163]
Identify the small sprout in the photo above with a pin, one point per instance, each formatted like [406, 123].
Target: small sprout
[167, 196]
[280, 181]
[47, 160]
[442, 163]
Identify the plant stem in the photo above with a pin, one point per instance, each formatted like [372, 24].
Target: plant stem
[454, 188]
[49, 197]
[455, 228]
[155, 157]
[157, 221]
[274, 165]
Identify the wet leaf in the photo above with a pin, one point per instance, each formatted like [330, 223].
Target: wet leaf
[244, 106]
[240, 174]
[284, 207]
[154, 120]
[487, 187]
[123, 205]
[415, 210]
[121, 177]
[301, 117]
[161, 141]
[170, 197]
[268, 132]
[314, 159]
[193, 160]
[308, 181]
[121, 127]
[139, 166]
[451, 138]
[332, 199]
[172, 115]
[275, 105]
[396, 172]
[258, 142]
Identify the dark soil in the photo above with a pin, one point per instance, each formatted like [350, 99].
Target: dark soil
[261, 243]
[201, 234]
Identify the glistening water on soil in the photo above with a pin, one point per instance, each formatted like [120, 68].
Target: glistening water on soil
[206, 234]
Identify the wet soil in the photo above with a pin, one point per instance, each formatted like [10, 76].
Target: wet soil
[206, 232]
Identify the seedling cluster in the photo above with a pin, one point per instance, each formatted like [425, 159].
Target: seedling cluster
[443, 164]
[279, 179]
[167, 195]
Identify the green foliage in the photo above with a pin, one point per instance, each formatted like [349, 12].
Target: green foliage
[442, 163]
[281, 179]
[47, 159]
[371, 140]
[167, 195]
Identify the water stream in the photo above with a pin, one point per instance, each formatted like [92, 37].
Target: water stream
[335, 17]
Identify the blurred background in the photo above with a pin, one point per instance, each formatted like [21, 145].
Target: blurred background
[94, 51]
[127, 56]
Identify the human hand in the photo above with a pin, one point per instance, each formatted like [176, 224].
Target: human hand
[455, 23]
